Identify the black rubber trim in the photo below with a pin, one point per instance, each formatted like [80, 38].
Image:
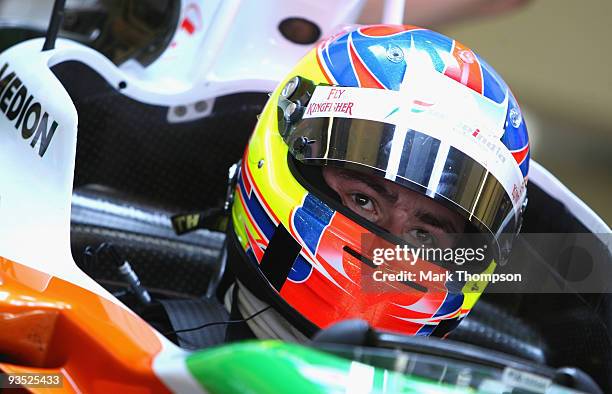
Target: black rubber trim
[371, 264]
[415, 286]
[359, 257]
[445, 327]
[279, 257]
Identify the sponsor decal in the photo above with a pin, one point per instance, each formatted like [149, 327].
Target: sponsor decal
[350, 102]
[525, 380]
[192, 21]
[333, 104]
[25, 112]
[490, 143]
[519, 190]
[419, 106]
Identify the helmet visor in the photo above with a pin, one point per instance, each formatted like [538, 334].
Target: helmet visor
[447, 160]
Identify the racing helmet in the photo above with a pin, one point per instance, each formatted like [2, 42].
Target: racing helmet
[403, 103]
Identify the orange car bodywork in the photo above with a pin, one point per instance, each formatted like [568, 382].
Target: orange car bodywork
[50, 325]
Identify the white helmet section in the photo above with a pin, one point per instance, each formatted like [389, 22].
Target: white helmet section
[38, 127]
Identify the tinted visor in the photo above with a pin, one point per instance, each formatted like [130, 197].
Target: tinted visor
[412, 159]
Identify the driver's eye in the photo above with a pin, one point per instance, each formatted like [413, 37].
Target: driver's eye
[422, 237]
[363, 201]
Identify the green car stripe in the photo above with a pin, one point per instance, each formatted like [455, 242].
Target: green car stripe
[267, 367]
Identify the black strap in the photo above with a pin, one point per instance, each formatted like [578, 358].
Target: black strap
[240, 331]
[188, 313]
[279, 257]
[214, 219]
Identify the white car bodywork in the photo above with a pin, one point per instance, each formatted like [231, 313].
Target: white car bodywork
[229, 46]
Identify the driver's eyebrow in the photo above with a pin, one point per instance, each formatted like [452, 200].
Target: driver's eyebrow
[433, 220]
[377, 187]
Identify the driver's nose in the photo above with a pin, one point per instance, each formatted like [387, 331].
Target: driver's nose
[398, 223]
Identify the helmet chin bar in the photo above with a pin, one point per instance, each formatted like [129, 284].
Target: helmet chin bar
[266, 287]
